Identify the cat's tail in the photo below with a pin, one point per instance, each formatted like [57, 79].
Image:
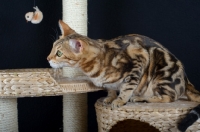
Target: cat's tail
[191, 117]
[191, 92]
[194, 114]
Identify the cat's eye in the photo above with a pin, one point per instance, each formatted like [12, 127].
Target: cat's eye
[59, 53]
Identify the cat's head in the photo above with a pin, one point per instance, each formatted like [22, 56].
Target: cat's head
[70, 48]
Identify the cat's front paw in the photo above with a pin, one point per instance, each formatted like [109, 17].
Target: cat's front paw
[108, 100]
[137, 99]
[117, 103]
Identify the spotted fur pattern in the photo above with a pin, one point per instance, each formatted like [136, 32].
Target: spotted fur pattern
[138, 67]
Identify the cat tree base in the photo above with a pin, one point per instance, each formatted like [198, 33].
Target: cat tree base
[161, 117]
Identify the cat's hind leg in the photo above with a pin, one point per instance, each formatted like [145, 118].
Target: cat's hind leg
[112, 94]
[161, 95]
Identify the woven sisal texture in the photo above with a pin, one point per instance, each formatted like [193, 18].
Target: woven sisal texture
[75, 112]
[162, 116]
[27, 83]
[39, 82]
[8, 115]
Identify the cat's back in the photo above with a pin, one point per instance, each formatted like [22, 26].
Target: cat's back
[138, 41]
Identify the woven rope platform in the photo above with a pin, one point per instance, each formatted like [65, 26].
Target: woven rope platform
[39, 82]
[163, 116]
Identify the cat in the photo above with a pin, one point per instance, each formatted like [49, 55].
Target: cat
[141, 69]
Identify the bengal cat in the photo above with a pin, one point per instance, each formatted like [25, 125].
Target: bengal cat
[138, 67]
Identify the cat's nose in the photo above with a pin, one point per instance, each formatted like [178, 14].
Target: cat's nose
[48, 58]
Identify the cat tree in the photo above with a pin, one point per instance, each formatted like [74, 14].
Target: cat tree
[48, 82]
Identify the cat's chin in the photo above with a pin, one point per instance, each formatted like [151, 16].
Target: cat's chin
[55, 67]
[60, 65]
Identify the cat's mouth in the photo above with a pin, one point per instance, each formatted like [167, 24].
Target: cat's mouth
[57, 65]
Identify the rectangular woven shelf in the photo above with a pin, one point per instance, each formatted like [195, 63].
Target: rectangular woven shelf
[39, 82]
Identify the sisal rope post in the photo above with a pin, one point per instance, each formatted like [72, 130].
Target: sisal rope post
[75, 15]
[8, 115]
[75, 112]
[75, 105]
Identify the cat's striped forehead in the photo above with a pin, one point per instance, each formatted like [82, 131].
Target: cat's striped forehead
[76, 36]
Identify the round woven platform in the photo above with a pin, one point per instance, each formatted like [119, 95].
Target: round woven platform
[164, 117]
[40, 82]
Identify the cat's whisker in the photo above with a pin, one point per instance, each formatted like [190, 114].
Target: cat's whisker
[57, 36]
[56, 32]
[53, 38]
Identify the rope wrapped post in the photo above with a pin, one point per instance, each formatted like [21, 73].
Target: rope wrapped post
[75, 15]
[75, 112]
[8, 115]
[75, 105]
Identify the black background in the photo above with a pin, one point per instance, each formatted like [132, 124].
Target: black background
[175, 24]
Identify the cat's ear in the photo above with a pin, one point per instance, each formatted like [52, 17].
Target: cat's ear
[65, 29]
[77, 46]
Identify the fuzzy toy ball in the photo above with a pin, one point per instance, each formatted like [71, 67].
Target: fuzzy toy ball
[35, 17]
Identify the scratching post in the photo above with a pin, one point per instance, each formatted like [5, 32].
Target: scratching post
[8, 115]
[75, 15]
[75, 105]
[75, 112]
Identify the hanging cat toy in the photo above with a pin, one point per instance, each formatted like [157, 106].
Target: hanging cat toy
[35, 17]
